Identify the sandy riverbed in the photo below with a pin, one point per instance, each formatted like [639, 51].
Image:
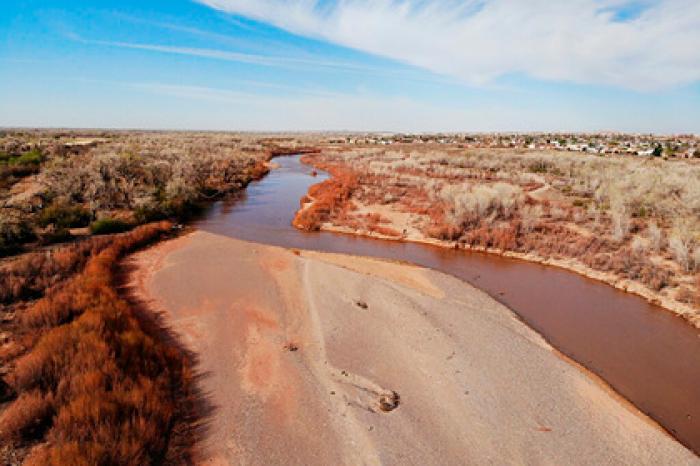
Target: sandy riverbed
[313, 358]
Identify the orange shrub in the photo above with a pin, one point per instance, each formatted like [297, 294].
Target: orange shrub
[29, 275]
[444, 231]
[26, 416]
[382, 230]
[259, 170]
[504, 238]
[113, 385]
[330, 196]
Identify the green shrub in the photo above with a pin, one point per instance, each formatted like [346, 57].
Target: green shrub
[107, 226]
[539, 166]
[65, 216]
[12, 235]
[10, 174]
[167, 209]
[181, 209]
[33, 157]
[641, 212]
[149, 214]
[15, 167]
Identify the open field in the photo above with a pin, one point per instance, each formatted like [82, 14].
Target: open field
[633, 222]
[312, 358]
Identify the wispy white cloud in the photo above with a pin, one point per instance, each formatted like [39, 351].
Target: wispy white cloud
[254, 59]
[294, 62]
[255, 42]
[642, 44]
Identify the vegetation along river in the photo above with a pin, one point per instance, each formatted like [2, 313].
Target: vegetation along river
[648, 355]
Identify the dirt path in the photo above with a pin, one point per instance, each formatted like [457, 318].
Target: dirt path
[314, 358]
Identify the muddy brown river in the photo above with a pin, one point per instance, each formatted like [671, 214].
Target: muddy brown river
[648, 355]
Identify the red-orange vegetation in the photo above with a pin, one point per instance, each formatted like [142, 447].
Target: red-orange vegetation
[28, 415]
[444, 231]
[385, 231]
[259, 170]
[29, 275]
[504, 237]
[99, 378]
[328, 198]
[374, 222]
[480, 236]
[561, 226]
[373, 218]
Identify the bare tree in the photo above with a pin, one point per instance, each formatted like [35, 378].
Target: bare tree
[655, 235]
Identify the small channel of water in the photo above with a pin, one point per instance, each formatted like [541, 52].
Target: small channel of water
[645, 353]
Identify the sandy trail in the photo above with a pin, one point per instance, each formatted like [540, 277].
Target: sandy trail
[315, 358]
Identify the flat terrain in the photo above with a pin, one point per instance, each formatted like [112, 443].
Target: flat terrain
[632, 222]
[311, 358]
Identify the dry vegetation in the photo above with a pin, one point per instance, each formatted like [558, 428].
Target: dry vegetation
[628, 219]
[84, 377]
[330, 198]
[68, 182]
[92, 383]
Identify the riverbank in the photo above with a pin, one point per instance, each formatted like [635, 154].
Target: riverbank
[316, 358]
[413, 198]
[688, 313]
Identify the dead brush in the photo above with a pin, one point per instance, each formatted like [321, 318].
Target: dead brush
[105, 389]
[330, 196]
[27, 416]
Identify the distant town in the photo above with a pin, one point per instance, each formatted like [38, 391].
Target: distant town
[676, 146]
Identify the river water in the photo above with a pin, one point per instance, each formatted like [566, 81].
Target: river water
[648, 355]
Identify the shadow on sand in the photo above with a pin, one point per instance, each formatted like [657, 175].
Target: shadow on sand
[194, 411]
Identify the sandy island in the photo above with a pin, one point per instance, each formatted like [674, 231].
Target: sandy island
[313, 358]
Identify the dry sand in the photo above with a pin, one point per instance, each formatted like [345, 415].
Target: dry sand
[303, 352]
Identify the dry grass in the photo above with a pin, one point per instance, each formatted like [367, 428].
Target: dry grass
[27, 276]
[329, 199]
[91, 380]
[27, 416]
[635, 218]
[152, 175]
[104, 387]
[126, 176]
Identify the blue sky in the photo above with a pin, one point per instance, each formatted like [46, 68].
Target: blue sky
[375, 65]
